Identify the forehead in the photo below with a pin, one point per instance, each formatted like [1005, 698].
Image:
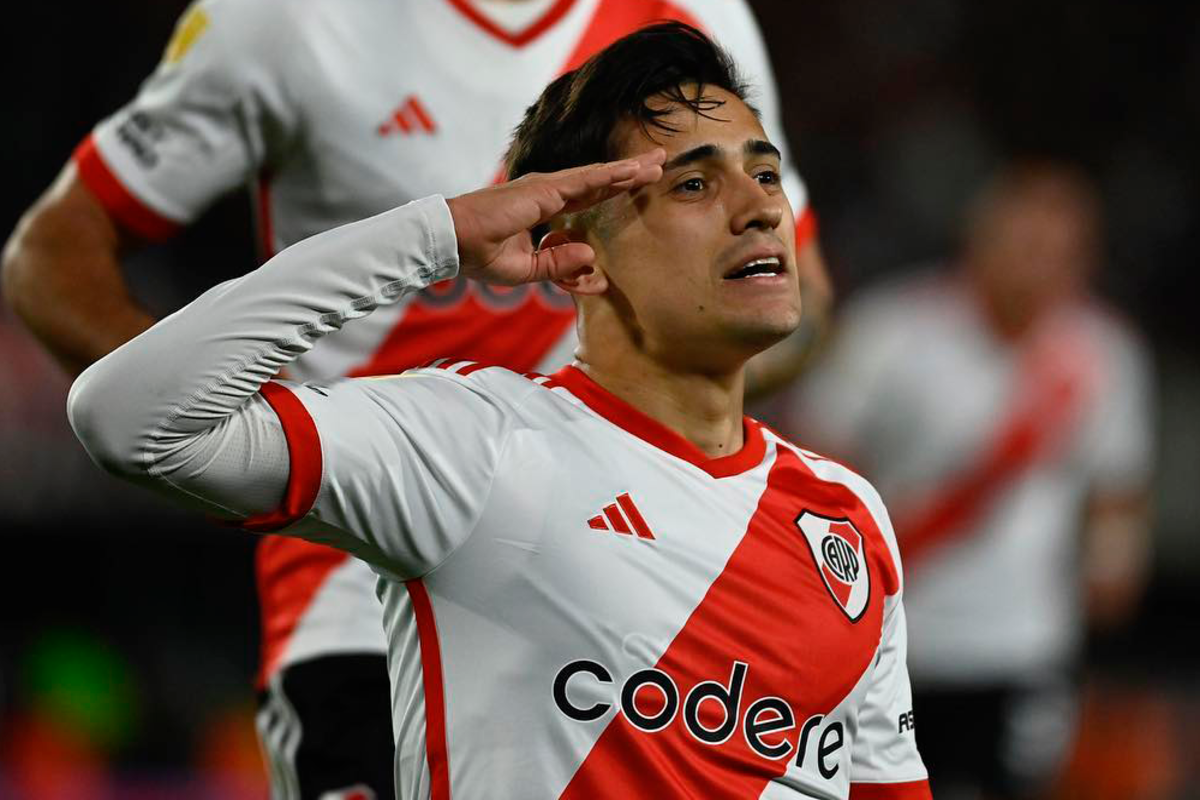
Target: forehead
[731, 124]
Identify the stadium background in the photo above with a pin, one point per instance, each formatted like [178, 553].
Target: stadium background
[128, 630]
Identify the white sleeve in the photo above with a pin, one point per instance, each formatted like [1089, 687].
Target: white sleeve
[203, 123]
[884, 753]
[186, 407]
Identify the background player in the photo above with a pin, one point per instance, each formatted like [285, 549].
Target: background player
[335, 111]
[1005, 415]
[746, 620]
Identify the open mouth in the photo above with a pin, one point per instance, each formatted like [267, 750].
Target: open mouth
[760, 266]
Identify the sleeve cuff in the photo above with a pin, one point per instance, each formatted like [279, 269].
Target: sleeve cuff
[126, 209]
[442, 245]
[304, 457]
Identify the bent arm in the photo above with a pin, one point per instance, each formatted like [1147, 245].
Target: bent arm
[62, 275]
[162, 408]
[362, 468]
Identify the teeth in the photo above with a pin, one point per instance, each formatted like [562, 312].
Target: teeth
[749, 268]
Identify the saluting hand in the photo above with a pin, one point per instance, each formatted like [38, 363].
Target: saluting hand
[492, 225]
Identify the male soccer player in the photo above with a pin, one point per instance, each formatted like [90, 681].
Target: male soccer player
[602, 583]
[1005, 415]
[335, 111]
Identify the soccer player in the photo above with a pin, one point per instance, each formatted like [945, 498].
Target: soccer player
[602, 583]
[335, 111]
[1005, 414]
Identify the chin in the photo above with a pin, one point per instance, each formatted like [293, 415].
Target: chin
[761, 333]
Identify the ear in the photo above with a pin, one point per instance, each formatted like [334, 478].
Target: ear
[584, 281]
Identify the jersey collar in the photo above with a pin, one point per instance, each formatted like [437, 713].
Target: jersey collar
[520, 38]
[650, 430]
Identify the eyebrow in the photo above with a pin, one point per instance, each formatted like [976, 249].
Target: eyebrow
[754, 147]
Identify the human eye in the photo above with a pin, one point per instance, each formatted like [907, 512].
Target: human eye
[689, 186]
[767, 177]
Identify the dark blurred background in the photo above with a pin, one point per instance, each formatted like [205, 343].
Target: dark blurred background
[129, 630]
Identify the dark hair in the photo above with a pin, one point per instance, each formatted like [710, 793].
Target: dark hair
[573, 121]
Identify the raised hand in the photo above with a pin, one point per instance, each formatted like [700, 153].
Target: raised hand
[492, 225]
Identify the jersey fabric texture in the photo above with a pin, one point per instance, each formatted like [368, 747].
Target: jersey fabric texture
[336, 110]
[578, 603]
[985, 453]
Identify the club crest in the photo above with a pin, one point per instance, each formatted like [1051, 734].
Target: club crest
[839, 553]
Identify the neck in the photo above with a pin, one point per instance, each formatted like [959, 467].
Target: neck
[705, 409]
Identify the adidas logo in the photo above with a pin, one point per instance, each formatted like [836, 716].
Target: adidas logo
[409, 117]
[623, 517]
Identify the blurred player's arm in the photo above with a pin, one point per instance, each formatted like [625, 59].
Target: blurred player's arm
[1116, 555]
[212, 114]
[62, 275]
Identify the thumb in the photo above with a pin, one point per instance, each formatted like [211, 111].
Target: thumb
[561, 261]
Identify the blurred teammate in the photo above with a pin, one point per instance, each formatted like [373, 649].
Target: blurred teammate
[1004, 414]
[606, 583]
[336, 111]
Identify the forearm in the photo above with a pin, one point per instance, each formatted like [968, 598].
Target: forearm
[62, 276]
[184, 379]
[1117, 549]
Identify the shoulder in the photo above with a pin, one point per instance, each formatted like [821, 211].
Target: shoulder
[459, 378]
[1113, 331]
[456, 404]
[733, 24]
[236, 35]
[918, 287]
[237, 20]
[706, 12]
[828, 471]
[730, 22]
[892, 311]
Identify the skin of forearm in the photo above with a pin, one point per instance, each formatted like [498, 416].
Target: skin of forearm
[62, 276]
[1117, 548]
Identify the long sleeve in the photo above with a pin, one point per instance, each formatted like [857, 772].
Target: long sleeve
[179, 408]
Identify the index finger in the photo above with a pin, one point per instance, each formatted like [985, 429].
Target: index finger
[584, 186]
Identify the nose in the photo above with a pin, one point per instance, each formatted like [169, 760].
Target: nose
[753, 208]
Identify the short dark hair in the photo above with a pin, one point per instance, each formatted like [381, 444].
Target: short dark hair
[573, 121]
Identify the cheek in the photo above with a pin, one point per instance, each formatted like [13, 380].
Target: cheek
[664, 252]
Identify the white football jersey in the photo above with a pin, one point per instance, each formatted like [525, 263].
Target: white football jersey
[334, 110]
[985, 453]
[578, 602]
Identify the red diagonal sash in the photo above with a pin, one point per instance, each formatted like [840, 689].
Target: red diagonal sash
[1052, 389]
